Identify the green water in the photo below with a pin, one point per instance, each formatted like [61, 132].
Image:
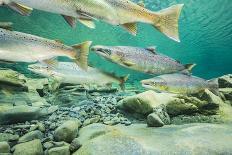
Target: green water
[205, 32]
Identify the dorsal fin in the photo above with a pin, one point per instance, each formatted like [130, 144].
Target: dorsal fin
[152, 49]
[141, 3]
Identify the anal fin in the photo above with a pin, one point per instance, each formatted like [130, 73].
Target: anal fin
[131, 27]
[21, 9]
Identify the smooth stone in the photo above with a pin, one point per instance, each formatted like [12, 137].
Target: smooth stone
[31, 136]
[67, 131]
[29, 148]
[8, 137]
[75, 145]
[64, 150]
[18, 114]
[4, 147]
[153, 120]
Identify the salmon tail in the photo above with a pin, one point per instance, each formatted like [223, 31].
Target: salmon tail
[81, 54]
[167, 22]
[122, 81]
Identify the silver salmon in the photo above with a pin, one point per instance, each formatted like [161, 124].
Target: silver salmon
[116, 12]
[180, 84]
[145, 60]
[22, 47]
[69, 72]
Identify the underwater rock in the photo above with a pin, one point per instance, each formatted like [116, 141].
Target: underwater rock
[29, 148]
[227, 92]
[75, 145]
[138, 139]
[179, 107]
[161, 112]
[10, 115]
[212, 98]
[8, 137]
[12, 80]
[225, 81]
[67, 131]
[4, 147]
[91, 120]
[153, 120]
[145, 102]
[31, 136]
[64, 150]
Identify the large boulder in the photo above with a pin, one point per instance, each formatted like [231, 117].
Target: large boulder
[29, 148]
[145, 102]
[10, 115]
[67, 131]
[138, 139]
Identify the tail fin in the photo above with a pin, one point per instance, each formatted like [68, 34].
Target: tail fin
[81, 54]
[122, 81]
[168, 21]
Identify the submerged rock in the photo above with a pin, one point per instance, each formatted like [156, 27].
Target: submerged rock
[225, 81]
[29, 148]
[31, 136]
[67, 131]
[64, 150]
[10, 115]
[145, 102]
[12, 80]
[4, 147]
[153, 120]
[75, 145]
[138, 139]
[8, 137]
[227, 92]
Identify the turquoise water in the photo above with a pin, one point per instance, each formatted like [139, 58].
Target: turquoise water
[205, 32]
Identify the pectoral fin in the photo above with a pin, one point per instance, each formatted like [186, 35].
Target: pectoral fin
[70, 20]
[52, 63]
[131, 27]
[21, 9]
[128, 63]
